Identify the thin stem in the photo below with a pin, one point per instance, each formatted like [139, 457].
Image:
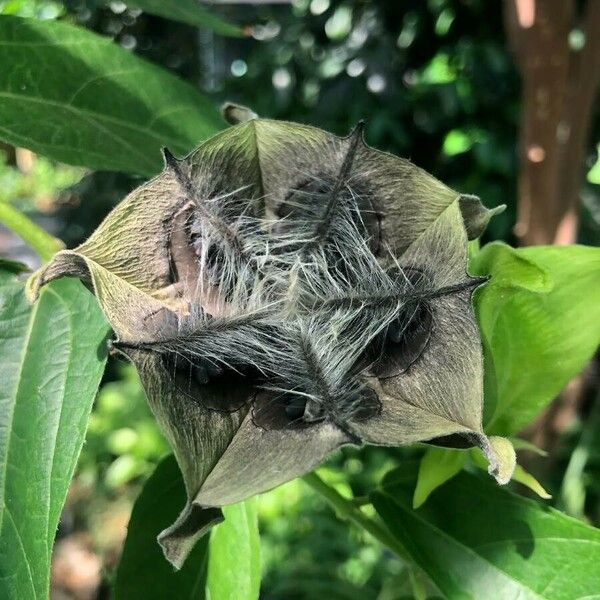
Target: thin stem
[346, 509]
[359, 501]
[34, 236]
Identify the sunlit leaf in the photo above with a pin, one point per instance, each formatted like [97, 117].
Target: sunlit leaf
[539, 318]
[77, 97]
[437, 466]
[476, 540]
[51, 359]
[143, 572]
[234, 560]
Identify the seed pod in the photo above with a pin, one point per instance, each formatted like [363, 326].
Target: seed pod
[283, 292]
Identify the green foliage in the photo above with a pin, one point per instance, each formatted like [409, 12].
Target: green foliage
[539, 318]
[593, 175]
[143, 572]
[230, 570]
[308, 553]
[45, 400]
[437, 466]
[43, 181]
[40, 9]
[37, 238]
[80, 100]
[234, 560]
[12, 266]
[476, 540]
[539, 315]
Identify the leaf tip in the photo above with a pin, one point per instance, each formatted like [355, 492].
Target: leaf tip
[528, 480]
[418, 499]
[476, 216]
[235, 114]
[497, 210]
[169, 158]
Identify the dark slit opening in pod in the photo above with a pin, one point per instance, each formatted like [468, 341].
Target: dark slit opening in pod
[406, 338]
[215, 386]
[279, 410]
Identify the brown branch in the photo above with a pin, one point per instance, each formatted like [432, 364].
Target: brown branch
[538, 31]
[584, 79]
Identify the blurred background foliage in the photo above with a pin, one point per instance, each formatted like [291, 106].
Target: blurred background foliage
[436, 83]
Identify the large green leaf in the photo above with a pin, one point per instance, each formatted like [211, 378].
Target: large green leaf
[79, 98]
[192, 12]
[51, 359]
[234, 562]
[143, 572]
[476, 540]
[539, 318]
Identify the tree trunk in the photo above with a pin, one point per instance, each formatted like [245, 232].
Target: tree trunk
[560, 81]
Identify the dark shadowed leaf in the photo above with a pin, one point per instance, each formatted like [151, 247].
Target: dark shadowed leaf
[77, 97]
[143, 572]
[476, 540]
[539, 318]
[51, 359]
[234, 561]
[192, 12]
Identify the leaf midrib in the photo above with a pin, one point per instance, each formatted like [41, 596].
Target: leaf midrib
[65, 372]
[90, 117]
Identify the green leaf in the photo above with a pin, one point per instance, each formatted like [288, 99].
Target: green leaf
[539, 318]
[81, 99]
[234, 562]
[144, 572]
[593, 175]
[192, 12]
[525, 445]
[528, 480]
[456, 142]
[476, 540]
[51, 360]
[437, 466]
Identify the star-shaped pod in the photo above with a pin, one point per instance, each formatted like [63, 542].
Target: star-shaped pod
[282, 292]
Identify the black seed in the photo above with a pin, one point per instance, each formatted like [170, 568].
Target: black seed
[370, 405]
[295, 407]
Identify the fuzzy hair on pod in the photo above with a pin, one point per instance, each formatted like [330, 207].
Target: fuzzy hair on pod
[304, 310]
[283, 291]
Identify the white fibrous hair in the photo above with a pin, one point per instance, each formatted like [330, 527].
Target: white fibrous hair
[300, 305]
